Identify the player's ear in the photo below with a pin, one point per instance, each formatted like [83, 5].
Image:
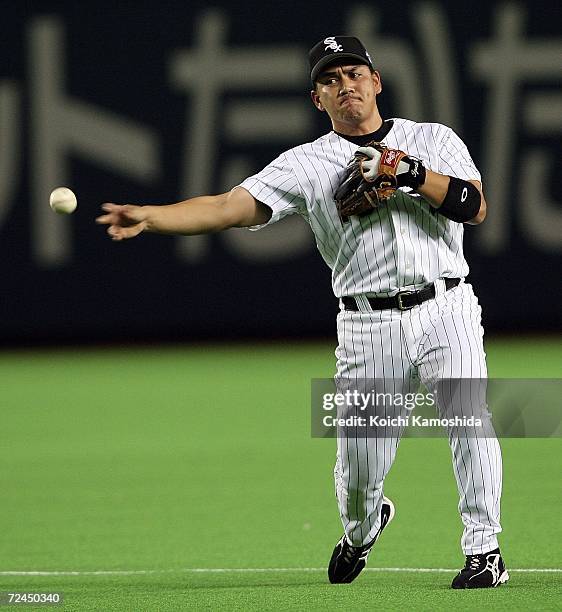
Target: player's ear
[316, 100]
[375, 75]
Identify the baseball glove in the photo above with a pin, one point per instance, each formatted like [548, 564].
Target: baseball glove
[369, 179]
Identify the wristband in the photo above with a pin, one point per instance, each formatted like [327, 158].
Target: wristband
[462, 201]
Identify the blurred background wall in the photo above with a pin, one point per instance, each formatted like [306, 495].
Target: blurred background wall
[152, 102]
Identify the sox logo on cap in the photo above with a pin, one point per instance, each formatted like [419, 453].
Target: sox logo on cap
[332, 44]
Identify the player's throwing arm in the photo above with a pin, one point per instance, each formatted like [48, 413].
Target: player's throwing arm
[201, 215]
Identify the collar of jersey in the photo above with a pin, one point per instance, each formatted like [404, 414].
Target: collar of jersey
[377, 136]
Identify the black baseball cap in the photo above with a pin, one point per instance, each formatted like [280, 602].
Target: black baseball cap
[334, 48]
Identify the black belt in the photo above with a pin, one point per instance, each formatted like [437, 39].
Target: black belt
[404, 300]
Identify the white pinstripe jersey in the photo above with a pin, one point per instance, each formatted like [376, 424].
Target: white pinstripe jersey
[404, 244]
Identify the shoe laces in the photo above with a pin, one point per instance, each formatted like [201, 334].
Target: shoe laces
[473, 562]
[350, 553]
[354, 553]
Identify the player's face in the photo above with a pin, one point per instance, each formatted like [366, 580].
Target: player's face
[347, 93]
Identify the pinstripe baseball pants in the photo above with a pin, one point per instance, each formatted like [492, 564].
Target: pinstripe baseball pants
[439, 339]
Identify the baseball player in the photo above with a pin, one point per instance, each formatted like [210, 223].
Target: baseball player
[387, 201]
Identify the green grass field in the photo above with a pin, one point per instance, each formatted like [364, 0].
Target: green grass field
[131, 476]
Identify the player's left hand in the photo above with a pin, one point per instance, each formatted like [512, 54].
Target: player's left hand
[380, 160]
[365, 184]
[370, 162]
[372, 176]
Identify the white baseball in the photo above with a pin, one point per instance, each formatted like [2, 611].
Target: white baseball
[63, 200]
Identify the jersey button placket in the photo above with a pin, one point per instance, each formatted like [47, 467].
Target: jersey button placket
[399, 248]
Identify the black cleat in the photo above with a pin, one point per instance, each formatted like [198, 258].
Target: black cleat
[348, 561]
[482, 572]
